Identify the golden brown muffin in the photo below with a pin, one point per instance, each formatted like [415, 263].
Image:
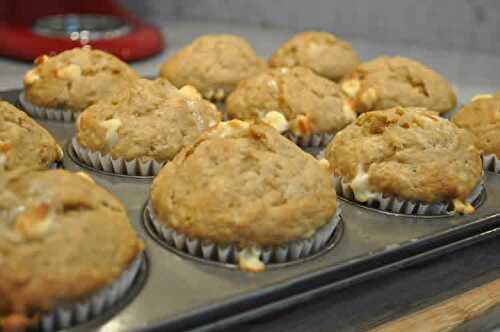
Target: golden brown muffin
[147, 120]
[322, 52]
[386, 82]
[61, 238]
[408, 153]
[309, 104]
[23, 142]
[75, 79]
[213, 64]
[245, 185]
[481, 117]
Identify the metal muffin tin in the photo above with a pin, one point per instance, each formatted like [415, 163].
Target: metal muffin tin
[180, 293]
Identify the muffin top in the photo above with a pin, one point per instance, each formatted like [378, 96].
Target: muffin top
[246, 185]
[308, 103]
[147, 120]
[61, 238]
[385, 82]
[481, 117]
[213, 64]
[75, 79]
[23, 142]
[322, 52]
[410, 153]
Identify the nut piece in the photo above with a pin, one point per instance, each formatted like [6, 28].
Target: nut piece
[69, 72]
[249, 260]
[276, 120]
[484, 96]
[301, 126]
[112, 126]
[34, 223]
[190, 92]
[40, 59]
[31, 77]
[351, 87]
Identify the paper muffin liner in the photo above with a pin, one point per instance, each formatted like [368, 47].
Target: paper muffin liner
[491, 163]
[288, 252]
[314, 140]
[398, 205]
[64, 316]
[44, 113]
[104, 162]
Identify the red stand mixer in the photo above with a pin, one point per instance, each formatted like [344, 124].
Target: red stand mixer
[30, 28]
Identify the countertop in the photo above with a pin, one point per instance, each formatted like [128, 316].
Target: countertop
[370, 303]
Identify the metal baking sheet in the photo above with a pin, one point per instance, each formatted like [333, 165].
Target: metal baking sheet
[179, 293]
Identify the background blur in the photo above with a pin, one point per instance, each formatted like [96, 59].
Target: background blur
[472, 25]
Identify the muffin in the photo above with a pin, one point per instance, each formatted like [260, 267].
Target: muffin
[481, 117]
[65, 243]
[386, 82]
[24, 143]
[242, 189]
[406, 160]
[303, 106]
[321, 52]
[213, 64]
[72, 81]
[137, 130]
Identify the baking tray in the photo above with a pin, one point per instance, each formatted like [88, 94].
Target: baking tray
[178, 293]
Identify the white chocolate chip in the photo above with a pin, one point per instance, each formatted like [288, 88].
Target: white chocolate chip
[249, 260]
[34, 223]
[112, 126]
[360, 186]
[276, 120]
[69, 72]
[351, 87]
[224, 129]
[31, 77]
[369, 97]
[284, 70]
[484, 96]
[324, 163]
[190, 92]
[273, 85]
[85, 176]
[348, 110]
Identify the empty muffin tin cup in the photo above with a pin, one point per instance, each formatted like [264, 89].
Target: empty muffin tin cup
[401, 206]
[106, 163]
[44, 113]
[65, 316]
[491, 163]
[228, 254]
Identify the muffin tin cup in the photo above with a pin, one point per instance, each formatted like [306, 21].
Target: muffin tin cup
[491, 163]
[105, 162]
[314, 141]
[402, 206]
[44, 113]
[64, 316]
[227, 254]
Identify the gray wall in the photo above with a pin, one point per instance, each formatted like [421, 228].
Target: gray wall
[463, 24]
